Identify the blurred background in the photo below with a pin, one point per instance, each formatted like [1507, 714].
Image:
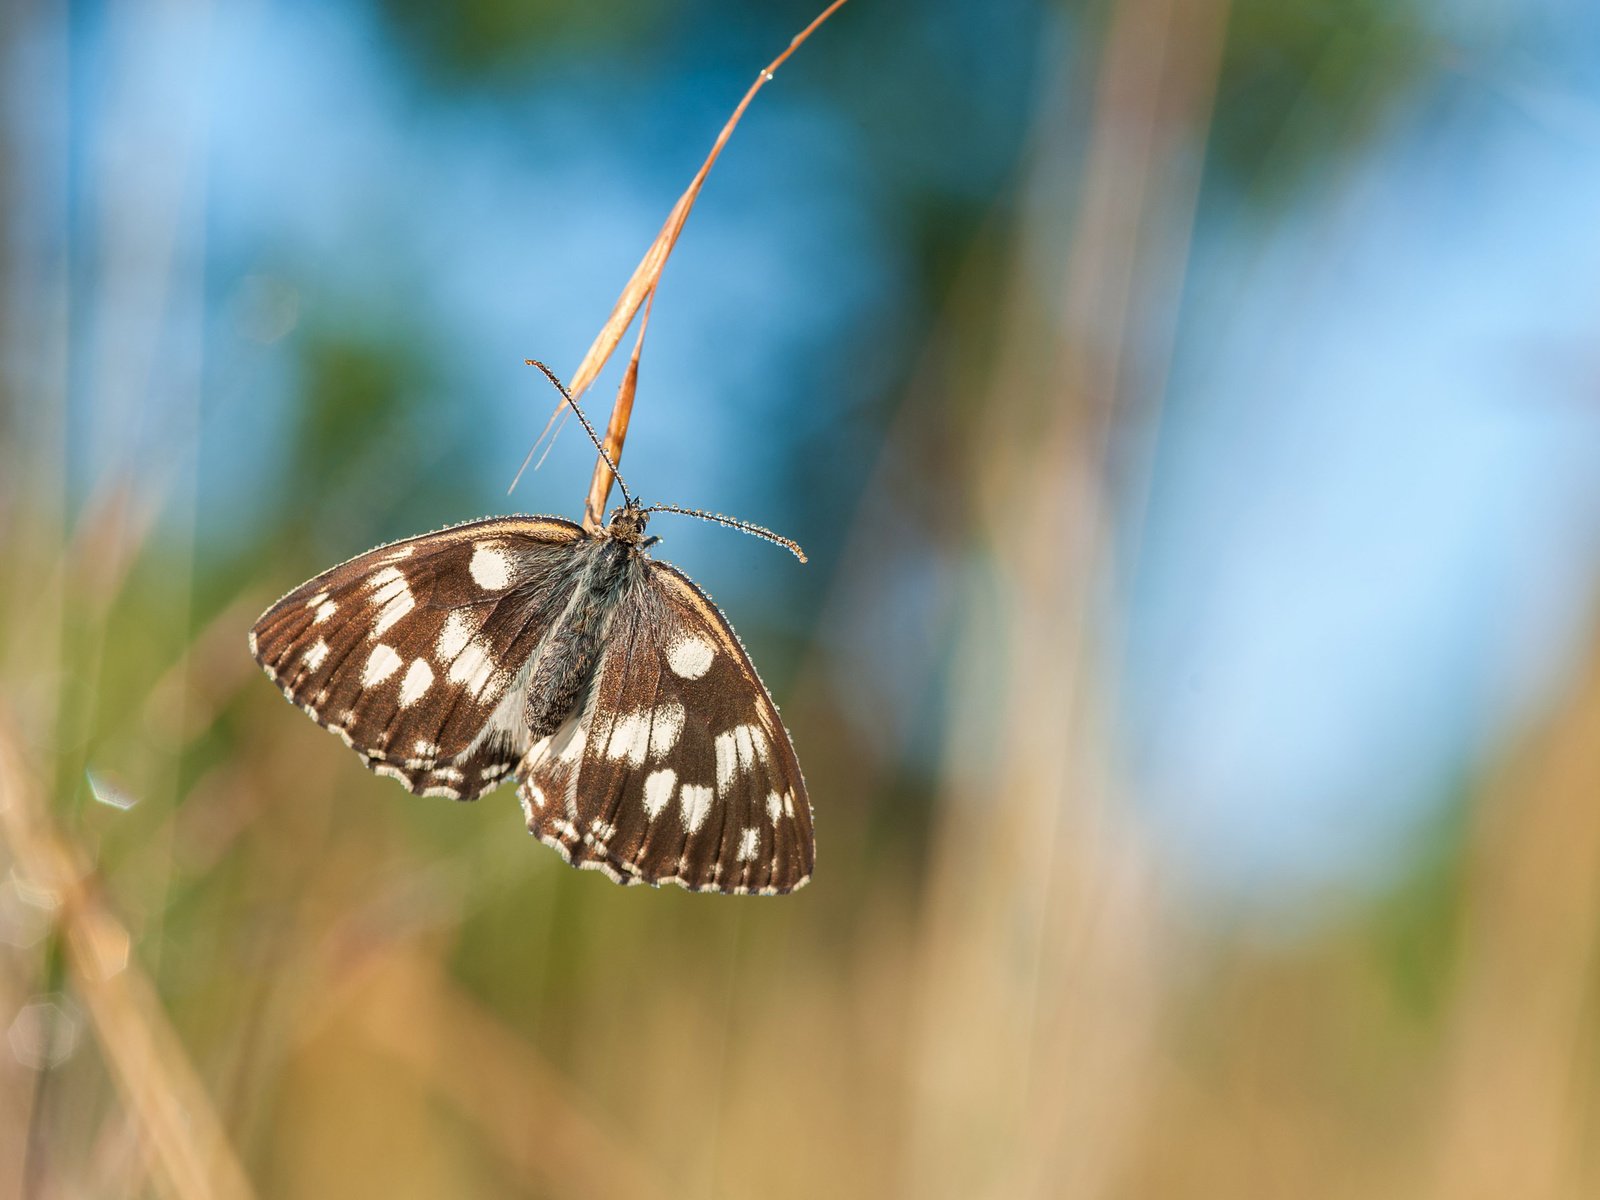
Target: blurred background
[1192, 411]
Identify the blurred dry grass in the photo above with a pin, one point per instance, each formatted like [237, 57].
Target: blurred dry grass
[296, 981]
[378, 996]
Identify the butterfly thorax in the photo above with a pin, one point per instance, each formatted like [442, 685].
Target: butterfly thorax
[605, 569]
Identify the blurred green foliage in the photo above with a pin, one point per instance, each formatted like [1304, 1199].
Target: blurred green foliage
[1303, 83]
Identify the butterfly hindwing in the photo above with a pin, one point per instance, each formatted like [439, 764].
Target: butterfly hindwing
[416, 653]
[675, 768]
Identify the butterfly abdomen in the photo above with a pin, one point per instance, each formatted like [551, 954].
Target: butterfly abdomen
[566, 658]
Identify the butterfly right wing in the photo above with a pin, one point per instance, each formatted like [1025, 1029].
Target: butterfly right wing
[417, 653]
[675, 768]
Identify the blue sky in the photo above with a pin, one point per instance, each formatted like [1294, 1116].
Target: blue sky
[1371, 544]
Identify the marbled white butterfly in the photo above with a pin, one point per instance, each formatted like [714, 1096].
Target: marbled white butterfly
[643, 742]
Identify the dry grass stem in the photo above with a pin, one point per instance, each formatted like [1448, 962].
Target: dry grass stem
[594, 508]
[646, 276]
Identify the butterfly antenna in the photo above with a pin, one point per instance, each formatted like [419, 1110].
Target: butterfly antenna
[749, 527]
[587, 428]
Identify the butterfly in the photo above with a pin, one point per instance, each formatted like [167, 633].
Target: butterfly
[643, 743]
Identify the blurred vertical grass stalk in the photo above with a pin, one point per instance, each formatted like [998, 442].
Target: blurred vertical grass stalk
[1519, 1093]
[128, 457]
[191, 1155]
[1044, 956]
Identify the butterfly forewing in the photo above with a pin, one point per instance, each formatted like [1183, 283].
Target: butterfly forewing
[676, 767]
[417, 653]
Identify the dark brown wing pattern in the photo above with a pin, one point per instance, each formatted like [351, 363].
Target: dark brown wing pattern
[416, 653]
[676, 767]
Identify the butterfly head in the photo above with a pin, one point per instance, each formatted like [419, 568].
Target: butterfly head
[627, 525]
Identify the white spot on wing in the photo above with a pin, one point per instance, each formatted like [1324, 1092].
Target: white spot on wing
[472, 669]
[658, 787]
[383, 663]
[324, 612]
[727, 760]
[314, 656]
[425, 748]
[748, 841]
[491, 567]
[630, 738]
[458, 629]
[696, 802]
[690, 657]
[666, 725]
[400, 601]
[739, 750]
[566, 743]
[419, 678]
[774, 806]
[532, 797]
[316, 600]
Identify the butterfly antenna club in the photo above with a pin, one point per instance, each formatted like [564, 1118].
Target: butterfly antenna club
[749, 527]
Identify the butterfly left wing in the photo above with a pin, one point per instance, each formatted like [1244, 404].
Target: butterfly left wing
[675, 767]
[415, 653]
